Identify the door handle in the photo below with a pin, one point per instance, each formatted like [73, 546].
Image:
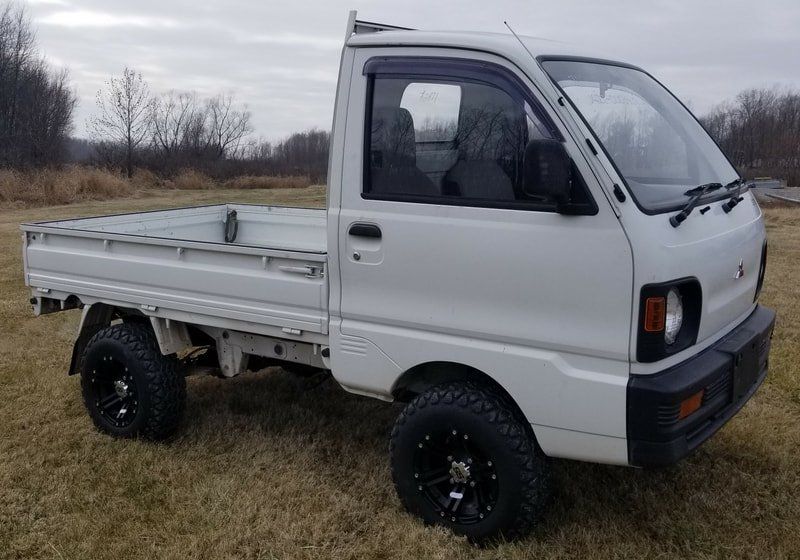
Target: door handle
[365, 230]
[307, 271]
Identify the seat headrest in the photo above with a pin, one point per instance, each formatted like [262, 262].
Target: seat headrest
[393, 136]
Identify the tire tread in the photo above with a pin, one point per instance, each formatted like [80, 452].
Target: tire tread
[165, 386]
[495, 409]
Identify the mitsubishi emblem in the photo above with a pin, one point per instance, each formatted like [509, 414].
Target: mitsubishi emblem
[740, 270]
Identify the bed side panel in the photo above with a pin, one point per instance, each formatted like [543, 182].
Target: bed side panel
[283, 289]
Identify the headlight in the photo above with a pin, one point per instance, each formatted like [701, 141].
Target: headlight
[669, 318]
[674, 316]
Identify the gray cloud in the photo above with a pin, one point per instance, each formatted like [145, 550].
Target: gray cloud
[281, 58]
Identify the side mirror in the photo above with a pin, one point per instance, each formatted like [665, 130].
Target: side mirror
[547, 171]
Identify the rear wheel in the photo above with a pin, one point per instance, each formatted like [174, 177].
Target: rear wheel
[461, 458]
[129, 388]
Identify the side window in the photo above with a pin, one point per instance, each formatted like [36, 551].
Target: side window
[458, 140]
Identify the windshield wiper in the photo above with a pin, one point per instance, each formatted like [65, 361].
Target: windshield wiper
[696, 194]
[737, 197]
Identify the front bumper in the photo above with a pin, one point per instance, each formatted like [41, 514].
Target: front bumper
[729, 372]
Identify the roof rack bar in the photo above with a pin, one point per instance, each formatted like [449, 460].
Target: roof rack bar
[359, 27]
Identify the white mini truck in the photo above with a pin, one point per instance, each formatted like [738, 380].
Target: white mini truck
[541, 254]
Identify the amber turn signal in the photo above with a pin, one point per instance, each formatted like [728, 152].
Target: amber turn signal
[655, 313]
[690, 405]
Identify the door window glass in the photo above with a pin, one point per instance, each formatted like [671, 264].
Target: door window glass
[453, 141]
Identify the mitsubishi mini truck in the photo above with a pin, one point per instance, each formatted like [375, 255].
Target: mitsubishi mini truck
[539, 253]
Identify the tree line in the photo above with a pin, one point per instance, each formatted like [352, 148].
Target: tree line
[760, 132]
[170, 132]
[133, 127]
[36, 103]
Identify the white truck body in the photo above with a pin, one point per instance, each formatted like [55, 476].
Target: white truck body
[175, 264]
[545, 304]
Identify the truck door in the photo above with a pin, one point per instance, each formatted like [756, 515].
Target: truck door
[439, 248]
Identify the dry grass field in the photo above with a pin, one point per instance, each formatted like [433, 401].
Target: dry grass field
[78, 183]
[266, 467]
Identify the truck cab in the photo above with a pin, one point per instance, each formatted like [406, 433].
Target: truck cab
[454, 247]
[542, 253]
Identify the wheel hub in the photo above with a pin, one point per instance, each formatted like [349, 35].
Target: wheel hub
[455, 476]
[121, 388]
[114, 391]
[459, 472]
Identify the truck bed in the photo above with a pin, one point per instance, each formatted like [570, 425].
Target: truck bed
[176, 264]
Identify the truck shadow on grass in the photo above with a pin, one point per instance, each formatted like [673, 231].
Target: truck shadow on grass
[342, 439]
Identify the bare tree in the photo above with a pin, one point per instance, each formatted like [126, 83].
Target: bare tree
[258, 150]
[302, 153]
[174, 119]
[124, 114]
[760, 132]
[36, 104]
[227, 126]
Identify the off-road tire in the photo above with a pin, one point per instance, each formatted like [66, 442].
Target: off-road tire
[521, 471]
[157, 386]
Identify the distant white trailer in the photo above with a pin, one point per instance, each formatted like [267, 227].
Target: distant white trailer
[794, 200]
[768, 183]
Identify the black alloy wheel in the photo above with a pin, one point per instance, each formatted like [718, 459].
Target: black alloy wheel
[113, 389]
[462, 456]
[456, 477]
[129, 388]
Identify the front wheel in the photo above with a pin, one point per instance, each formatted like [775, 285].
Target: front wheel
[462, 458]
[129, 388]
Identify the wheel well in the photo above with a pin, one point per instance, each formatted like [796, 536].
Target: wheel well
[99, 316]
[424, 376]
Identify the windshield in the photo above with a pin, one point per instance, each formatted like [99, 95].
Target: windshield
[656, 144]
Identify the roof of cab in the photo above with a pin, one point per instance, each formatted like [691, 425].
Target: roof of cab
[498, 43]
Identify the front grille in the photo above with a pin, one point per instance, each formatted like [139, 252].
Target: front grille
[720, 386]
[667, 414]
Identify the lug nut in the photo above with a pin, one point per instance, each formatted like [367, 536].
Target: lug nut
[494, 477]
[454, 432]
[449, 457]
[466, 436]
[488, 463]
[472, 483]
[480, 515]
[419, 445]
[488, 508]
[419, 488]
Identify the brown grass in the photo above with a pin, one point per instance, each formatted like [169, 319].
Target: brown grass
[267, 468]
[47, 187]
[191, 180]
[267, 182]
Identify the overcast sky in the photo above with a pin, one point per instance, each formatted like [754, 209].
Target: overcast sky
[281, 57]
